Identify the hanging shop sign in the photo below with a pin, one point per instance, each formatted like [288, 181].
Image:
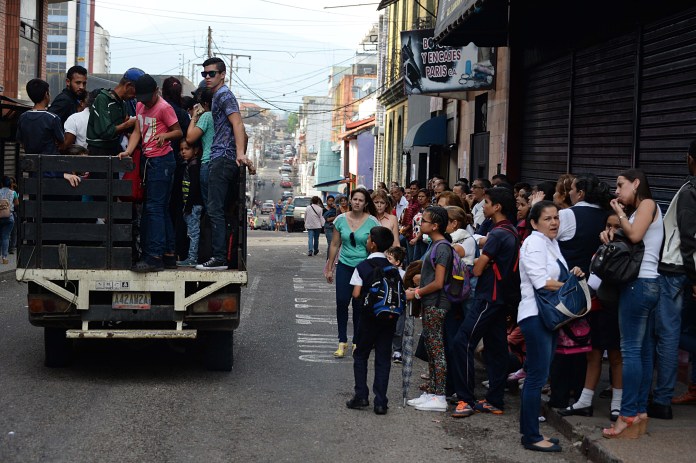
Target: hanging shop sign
[429, 68]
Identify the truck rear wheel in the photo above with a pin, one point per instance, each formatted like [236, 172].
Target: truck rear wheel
[218, 350]
[57, 348]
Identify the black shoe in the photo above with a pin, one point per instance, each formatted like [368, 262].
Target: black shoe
[381, 409]
[553, 448]
[309, 254]
[580, 411]
[169, 261]
[213, 264]
[356, 403]
[12, 251]
[659, 411]
[316, 252]
[553, 440]
[144, 266]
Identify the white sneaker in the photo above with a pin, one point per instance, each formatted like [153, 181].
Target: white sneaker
[436, 403]
[424, 397]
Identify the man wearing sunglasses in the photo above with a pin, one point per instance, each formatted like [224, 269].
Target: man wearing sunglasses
[227, 153]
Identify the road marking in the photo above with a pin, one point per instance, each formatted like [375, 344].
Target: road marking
[317, 348]
[249, 302]
[302, 319]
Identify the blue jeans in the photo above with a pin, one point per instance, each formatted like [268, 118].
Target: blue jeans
[223, 173]
[666, 335]
[313, 240]
[6, 226]
[637, 303]
[193, 230]
[344, 297]
[375, 334]
[205, 178]
[328, 232]
[159, 238]
[541, 344]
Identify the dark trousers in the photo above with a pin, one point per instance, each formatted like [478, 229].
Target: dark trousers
[344, 298]
[486, 321]
[567, 376]
[375, 333]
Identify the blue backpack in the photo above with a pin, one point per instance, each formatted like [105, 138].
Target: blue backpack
[384, 292]
[458, 285]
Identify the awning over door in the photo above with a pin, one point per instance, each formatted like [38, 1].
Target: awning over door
[427, 133]
[385, 3]
[483, 22]
[332, 182]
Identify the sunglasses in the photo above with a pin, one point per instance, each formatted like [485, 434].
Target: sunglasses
[352, 239]
[209, 73]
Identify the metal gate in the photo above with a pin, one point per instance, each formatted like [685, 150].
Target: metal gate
[629, 101]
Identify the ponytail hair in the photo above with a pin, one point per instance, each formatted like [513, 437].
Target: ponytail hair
[438, 215]
[596, 191]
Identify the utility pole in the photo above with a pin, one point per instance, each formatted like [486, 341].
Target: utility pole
[234, 67]
[210, 42]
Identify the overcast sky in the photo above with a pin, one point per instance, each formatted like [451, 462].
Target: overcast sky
[292, 43]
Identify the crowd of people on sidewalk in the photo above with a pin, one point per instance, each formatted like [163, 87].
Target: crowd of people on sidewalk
[515, 242]
[186, 160]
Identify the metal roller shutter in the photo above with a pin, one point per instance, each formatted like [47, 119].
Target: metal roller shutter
[667, 102]
[545, 124]
[602, 108]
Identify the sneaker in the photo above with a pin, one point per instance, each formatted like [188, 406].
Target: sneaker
[186, 263]
[424, 397]
[485, 384]
[516, 376]
[213, 264]
[482, 406]
[435, 403]
[462, 410]
[143, 266]
[396, 358]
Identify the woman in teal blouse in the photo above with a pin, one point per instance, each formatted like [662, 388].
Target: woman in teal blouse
[351, 232]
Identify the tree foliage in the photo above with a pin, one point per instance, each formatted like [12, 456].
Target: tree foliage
[292, 122]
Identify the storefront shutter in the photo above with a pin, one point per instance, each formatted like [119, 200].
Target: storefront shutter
[545, 122]
[667, 102]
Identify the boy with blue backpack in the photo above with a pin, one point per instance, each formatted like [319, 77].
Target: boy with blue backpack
[378, 287]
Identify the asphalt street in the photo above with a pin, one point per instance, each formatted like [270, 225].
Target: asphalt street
[284, 400]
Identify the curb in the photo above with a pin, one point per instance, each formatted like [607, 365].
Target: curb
[590, 448]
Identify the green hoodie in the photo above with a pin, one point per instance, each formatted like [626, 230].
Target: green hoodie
[107, 111]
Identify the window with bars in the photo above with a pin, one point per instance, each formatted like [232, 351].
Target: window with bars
[59, 9]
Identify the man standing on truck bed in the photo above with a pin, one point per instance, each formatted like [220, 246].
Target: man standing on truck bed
[108, 116]
[227, 153]
[67, 102]
[157, 123]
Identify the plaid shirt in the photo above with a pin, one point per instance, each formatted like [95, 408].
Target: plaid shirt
[407, 217]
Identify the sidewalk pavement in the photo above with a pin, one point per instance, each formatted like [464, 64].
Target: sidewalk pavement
[7, 269]
[672, 441]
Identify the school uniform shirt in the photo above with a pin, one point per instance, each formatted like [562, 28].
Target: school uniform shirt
[155, 121]
[443, 256]
[501, 247]
[38, 132]
[352, 255]
[363, 269]
[539, 257]
[76, 124]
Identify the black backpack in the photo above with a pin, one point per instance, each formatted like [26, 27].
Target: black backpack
[508, 288]
[383, 291]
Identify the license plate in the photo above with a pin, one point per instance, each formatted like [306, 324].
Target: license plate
[130, 301]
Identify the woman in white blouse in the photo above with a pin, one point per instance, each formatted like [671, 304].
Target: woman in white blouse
[539, 268]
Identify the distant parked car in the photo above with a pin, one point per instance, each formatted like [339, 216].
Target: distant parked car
[285, 168]
[286, 183]
[267, 207]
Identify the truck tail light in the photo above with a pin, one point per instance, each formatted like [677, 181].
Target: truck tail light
[227, 303]
[46, 303]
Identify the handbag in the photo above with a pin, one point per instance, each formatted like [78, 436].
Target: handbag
[618, 261]
[570, 302]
